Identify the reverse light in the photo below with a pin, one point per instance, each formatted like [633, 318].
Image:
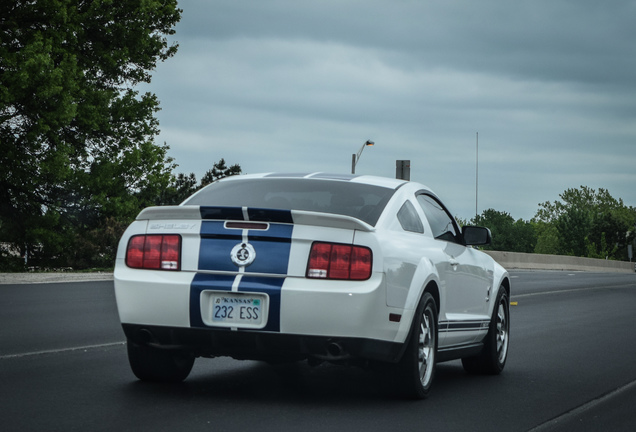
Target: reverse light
[339, 261]
[154, 252]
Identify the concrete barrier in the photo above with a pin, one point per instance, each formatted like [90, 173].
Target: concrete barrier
[526, 261]
[510, 260]
[52, 277]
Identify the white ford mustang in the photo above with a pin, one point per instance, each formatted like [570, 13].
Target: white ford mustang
[322, 267]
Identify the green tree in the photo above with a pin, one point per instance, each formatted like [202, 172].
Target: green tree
[573, 226]
[585, 222]
[612, 229]
[507, 234]
[219, 171]
[547, 238]
[76, 138]
[182, 186]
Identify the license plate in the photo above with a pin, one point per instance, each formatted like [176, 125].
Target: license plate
[236, 309]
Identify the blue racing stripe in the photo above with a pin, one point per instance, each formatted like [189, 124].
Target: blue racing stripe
[271, 246]
[203, 282]
[254, 214]
[271, 287]
[272, 249]
[269, 215]
[221, 213]
[216, 244]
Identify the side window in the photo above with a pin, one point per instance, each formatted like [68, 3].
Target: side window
[441, 222]
[409, 218]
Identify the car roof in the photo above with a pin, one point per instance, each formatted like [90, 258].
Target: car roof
[365, 179]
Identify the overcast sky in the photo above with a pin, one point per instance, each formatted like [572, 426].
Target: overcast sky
[298, 86]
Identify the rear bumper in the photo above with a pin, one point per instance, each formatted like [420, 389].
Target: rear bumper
[308, 318]
[254, 345]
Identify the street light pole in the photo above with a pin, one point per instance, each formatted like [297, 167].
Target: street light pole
[356, 157]
[476, 175]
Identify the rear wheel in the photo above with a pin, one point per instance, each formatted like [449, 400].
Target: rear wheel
[492, 359]
[416, 369]
[158, 365]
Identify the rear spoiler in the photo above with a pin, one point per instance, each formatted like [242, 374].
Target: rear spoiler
[169, 212]
[300, 217]
[330, 220]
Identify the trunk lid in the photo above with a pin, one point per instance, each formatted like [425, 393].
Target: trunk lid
[250, 240]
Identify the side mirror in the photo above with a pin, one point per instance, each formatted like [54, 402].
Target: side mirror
[476, 236]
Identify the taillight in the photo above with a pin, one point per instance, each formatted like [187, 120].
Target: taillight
[339, 261]
[154, 252]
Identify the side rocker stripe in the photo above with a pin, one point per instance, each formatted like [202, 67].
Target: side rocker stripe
[459, 326]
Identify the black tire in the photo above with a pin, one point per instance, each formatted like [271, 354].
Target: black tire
[492, 359]
[416, 369]
[158, 365]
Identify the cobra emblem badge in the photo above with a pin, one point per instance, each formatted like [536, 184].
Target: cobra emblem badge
[243, 254]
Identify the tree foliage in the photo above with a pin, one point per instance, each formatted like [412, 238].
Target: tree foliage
[76, 137]
[219, 170]
[77, 153]
[507, 234]
[182, 186]
[585, 222]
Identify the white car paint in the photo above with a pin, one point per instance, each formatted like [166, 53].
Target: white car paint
[381, 308]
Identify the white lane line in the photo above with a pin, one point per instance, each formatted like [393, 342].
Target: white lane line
[61, 350]
[601, 287]
[573, 414]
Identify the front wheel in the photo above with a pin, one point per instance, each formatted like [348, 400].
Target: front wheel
[158, 365]
[492, 359]
[416, 369]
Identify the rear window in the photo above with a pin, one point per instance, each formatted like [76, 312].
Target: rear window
[362, 201]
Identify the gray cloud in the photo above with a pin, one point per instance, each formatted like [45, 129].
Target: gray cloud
[289, 86]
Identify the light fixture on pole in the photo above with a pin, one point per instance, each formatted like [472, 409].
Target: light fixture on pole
[356, 157]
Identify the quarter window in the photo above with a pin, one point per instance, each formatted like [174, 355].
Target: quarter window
[442, 224]
[409, 218]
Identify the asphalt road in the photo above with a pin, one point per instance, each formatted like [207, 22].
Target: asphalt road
[572, 366]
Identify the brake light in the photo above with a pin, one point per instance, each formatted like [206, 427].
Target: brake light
[154, 252]
[339, 261]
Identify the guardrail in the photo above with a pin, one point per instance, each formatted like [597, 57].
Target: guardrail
[526, 261]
